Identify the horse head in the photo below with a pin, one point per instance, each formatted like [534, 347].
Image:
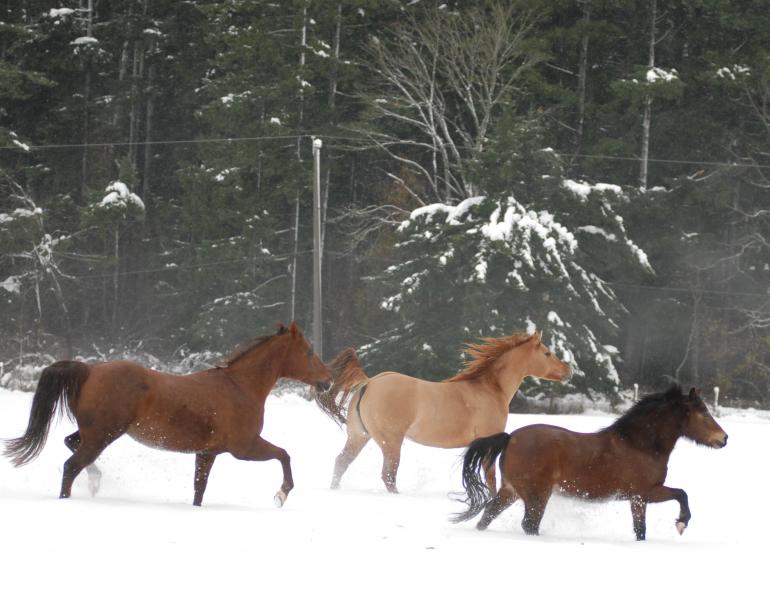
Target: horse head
[699, 425]
[301, 362]
[543, 363]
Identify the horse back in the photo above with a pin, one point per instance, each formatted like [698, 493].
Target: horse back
[589, 465]
[177, 412]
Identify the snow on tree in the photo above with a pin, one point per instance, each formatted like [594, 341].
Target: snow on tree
[512, 261]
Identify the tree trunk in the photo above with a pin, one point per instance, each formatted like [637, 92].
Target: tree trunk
[300, 122]
[84, 164]
[116, 284]
[582, 79]
[647, 120]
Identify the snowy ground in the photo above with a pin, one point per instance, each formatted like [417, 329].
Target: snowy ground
[141, 534]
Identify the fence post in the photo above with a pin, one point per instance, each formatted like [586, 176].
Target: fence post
[636, 392]
[716, 400]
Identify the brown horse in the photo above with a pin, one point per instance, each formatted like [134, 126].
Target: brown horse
[447, 414]
[627, 460]
[208, 413]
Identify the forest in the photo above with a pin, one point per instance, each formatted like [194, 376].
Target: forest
[597, 170]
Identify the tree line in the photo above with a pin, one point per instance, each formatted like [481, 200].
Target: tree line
[597, 170]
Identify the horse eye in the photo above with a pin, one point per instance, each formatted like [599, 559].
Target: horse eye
[547, 354]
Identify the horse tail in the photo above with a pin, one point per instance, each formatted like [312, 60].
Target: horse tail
[59, 386]
[347, 376]
[480, 453]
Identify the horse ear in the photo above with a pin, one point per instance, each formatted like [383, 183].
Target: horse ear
[293, 328]
[538, 335]
[694, 393]
[281, 329]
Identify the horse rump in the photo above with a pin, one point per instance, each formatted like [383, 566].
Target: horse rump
[58, 387]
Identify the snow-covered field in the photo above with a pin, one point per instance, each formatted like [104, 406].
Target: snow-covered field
[141, 534]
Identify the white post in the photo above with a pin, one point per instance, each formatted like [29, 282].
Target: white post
[636, 392]
[317, 320]
[716, 400]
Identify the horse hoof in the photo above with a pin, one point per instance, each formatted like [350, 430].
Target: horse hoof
[680, 526]
[279, 499]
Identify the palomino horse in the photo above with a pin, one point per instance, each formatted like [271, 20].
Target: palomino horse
[627, 460]
[447, 414]
[208, 413]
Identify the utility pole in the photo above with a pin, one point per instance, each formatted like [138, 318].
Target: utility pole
[317, 249]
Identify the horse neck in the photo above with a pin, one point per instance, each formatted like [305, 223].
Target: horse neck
[258, 370]
[656, 433]
[509, 377]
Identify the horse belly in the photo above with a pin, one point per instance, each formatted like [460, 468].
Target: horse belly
[180, 429]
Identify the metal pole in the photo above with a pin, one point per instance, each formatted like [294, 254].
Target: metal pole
[317, 320]
[716, 400]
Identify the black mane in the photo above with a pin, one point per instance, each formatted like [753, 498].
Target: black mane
[640, 425]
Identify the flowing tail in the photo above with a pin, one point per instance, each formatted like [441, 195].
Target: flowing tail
[59, 386]
[347, 376]
[480, 453]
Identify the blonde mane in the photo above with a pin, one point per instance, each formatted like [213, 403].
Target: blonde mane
[483, 355]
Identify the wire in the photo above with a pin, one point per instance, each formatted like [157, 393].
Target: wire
[690, 290]
[240, 139]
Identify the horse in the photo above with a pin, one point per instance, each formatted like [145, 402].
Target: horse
[207, 413]
[627, 460]
[449, 414]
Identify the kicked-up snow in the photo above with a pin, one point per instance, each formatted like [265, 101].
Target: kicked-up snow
[141, 534]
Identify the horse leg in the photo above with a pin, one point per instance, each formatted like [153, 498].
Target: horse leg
[639, 514]
[353, 447]
[534, 507]
[661, 493]
[391, 457]
[502, 500]
[88, 450]
[203, 464]
[490, 477]
[262, 450]
[94, 473]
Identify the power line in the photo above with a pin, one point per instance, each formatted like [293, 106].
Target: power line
[688, 290]
[293, 137]
[29, 148]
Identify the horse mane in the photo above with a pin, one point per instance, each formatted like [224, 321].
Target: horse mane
[639, 425]
[247, 348]
[347, 377]
[484, 354]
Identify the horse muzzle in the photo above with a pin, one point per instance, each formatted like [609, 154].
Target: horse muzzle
[719, 442]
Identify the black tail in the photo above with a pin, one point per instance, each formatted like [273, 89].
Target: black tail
[59, 384]
[480, 452]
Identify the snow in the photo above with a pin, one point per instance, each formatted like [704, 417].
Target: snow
[20, 213]
[55, 13]
[655, 74]
[734, 72]
[583, 189]
[593, 230]
[11, 285]
[142, 532]
[118, 195]
[85, 41]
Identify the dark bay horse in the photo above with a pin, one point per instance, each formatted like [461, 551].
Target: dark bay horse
[207, 413]
[627, 460]
[449, 414]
